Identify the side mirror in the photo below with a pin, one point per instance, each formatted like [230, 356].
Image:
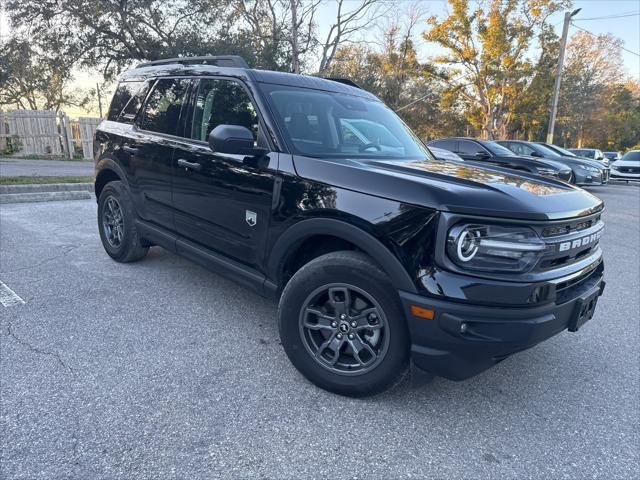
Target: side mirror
[233, 139]
[481, 155]
[536, 154]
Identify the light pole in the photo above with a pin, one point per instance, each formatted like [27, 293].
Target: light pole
[556, 88]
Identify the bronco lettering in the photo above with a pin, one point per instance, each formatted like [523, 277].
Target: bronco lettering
[581, 242]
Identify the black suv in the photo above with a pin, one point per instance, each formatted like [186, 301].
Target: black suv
[492, 153]
[312, 192]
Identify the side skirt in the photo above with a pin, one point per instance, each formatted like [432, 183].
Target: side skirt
[213, 261]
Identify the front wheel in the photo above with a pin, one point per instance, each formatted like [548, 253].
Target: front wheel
[342, 326]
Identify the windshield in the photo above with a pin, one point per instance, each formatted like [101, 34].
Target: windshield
[328, 124]
[547, 152]
[564, 151]
[497, 149]
[583, 152]
[632, 156]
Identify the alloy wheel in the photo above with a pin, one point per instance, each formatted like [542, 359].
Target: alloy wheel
[344, 329]
[112, 221]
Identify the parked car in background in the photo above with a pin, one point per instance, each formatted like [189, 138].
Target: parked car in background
[562, 151]
[488, 152]
[446, 155]
[583, 172]
[612, 156]
[591, 154]
[628, 167]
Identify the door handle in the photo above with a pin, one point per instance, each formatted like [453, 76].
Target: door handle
[131, 150]
[189, 165]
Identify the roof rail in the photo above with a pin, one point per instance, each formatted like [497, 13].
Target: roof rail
[345, 81]
[218, 60]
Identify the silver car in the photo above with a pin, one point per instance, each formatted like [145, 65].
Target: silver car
[584, 172]
[591, 154]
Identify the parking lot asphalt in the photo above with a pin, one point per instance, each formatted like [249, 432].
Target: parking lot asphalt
[16, 167]
[160, 369]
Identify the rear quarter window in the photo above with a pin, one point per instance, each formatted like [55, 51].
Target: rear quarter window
[127, 101]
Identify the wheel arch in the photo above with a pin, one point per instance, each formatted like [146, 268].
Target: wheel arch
[289, 243]
[107, 171]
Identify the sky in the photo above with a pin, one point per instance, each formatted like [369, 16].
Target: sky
[626, 28]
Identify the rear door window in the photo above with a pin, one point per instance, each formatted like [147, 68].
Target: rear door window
[161, 112]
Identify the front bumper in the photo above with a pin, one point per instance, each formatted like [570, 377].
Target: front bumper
[464, 339]
[584, 178]
[625, 175]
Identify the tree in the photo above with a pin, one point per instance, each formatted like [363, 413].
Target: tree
[31, 79]
[114, 34]
[586, 87]
[347, 23]
[531, 110]
[487, 55]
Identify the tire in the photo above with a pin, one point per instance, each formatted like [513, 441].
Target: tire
[310, 325]
[119, 235]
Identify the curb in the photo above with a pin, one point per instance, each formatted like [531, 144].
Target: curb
[46, 187]
[45, 192]
[43, 197]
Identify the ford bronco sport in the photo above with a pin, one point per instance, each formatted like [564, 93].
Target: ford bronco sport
[314, 193]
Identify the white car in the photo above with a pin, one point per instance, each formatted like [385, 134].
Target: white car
[628, 167]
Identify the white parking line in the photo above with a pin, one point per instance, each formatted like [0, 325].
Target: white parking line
[8, 297]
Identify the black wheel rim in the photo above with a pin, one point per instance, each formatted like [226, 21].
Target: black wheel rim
[344, 329]
[112, 221]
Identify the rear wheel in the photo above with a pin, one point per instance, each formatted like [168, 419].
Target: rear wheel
[342, 326]
[116, 222]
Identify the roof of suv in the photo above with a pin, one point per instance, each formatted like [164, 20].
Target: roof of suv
[235, 66]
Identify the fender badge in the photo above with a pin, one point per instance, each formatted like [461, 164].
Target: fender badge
[251, 218]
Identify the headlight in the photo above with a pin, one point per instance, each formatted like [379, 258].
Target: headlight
[547, 171]
[590, 169]
[494, 248]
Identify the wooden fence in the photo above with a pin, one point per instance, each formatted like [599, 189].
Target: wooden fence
[45, 132]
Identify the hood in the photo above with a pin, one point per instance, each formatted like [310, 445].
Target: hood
[535, 161]
[626, 163]
[454, 187]
[575, 161]
[562, 166]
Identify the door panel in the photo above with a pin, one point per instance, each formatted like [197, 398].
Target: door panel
[223, 201]
[151, 154]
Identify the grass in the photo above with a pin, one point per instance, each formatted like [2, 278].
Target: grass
[39, 180]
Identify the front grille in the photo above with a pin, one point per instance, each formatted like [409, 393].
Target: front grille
[569, 241]
[629, 169]
[569, 227]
